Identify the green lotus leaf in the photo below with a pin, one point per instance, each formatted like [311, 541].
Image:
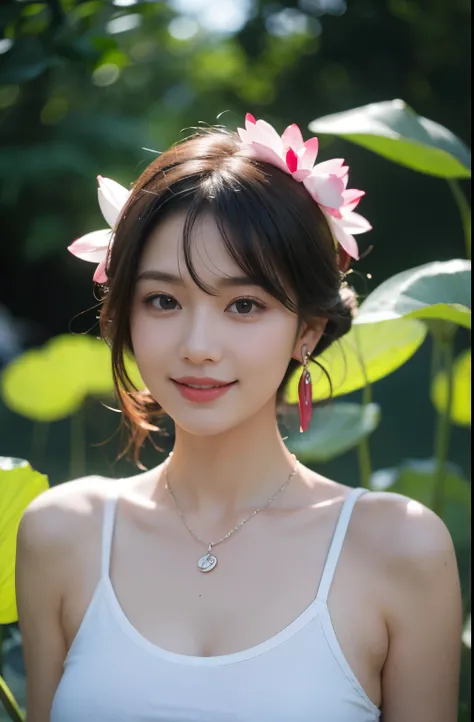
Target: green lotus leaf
[19, 485]
[334, 429]
[38, 386]
[51, 383]
[461, 403]
[438, 290]
[87, 360]
[393, 130]
[369, 352]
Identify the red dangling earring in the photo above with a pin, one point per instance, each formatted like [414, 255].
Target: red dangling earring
[305, 395]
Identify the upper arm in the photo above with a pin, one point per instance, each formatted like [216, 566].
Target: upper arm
[38, 595]
[420, 678]
[46, 541]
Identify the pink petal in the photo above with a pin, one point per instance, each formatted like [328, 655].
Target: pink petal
[347, 241]
[300, 174]
[265, 134]
[100, 275]
[327, 191]
[250, 119]
[92, 247]
[244, 135]
[291, 160]
[307, 159]
[267, 155]
[112, 198]
[354, 223]
[349, 207]
[333, 212]
[335, 166]
[352, 197]
[292, 137]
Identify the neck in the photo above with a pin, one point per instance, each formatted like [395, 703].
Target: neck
[220, 476]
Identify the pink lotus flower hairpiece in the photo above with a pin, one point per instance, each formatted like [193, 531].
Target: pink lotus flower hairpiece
[325, 182]
[95, 246]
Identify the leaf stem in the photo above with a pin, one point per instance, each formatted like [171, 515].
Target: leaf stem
[367, 393]
[9, 702]
[464, 211]
[365, 466]
[445, 352]
[363, 447]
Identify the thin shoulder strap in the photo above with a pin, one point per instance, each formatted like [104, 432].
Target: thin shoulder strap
[108, 523]
[337, 542]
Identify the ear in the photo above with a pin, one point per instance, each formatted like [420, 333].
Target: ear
[308, 335]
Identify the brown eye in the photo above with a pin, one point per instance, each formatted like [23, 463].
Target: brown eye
[162, 302]
[246, 306]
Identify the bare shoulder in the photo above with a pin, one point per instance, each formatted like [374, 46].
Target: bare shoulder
[402, 528]
[416, 553]
[56, 515]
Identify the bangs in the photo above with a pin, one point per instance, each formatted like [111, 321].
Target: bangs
[266, 246]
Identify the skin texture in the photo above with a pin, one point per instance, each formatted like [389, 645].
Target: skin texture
[401, 631]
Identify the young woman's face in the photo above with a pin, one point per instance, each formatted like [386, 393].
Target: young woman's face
[242, 336]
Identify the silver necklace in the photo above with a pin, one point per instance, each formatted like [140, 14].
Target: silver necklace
[208, 562]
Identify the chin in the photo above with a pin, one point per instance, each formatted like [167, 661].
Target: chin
[214, 425]
[207, 422]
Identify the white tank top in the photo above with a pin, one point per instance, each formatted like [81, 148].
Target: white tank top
[114, 674]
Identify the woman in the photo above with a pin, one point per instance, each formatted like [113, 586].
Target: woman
[231, 582]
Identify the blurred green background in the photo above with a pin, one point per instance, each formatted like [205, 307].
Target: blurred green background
[89, 88]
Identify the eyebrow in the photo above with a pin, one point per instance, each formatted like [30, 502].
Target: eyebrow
[223, 282]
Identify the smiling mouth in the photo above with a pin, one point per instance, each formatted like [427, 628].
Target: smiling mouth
[204, 386]
[201, 382]
[202, 393]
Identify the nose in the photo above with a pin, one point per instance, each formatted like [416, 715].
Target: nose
[201, 338]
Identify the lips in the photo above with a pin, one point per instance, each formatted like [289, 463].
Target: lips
[202, 381]
[202, 390]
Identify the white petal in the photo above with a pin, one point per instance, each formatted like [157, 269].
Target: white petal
[112, 198]
[354, 223]
[265, 134]
[346, 240]
[330, 167]
[244, 135]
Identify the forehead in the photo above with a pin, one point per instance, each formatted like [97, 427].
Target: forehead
[165, 247]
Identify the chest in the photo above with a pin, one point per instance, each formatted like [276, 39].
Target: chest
[266, 577]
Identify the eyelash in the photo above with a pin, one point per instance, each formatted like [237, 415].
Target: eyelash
[260, 306]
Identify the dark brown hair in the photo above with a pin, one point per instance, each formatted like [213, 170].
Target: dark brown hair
[271, 228]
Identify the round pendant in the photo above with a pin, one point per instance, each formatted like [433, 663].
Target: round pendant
[207, 563]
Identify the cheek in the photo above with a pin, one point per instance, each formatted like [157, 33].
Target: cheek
[268, 348]
[147, 342]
